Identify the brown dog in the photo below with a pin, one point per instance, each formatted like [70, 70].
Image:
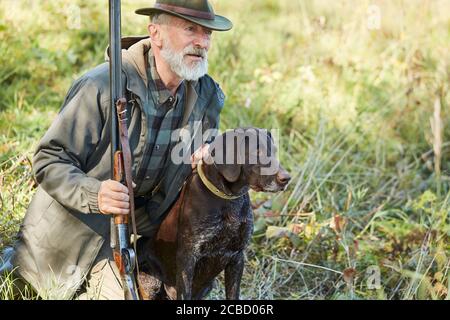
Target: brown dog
[209, 227]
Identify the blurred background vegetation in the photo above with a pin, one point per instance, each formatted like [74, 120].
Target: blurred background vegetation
[360, 93]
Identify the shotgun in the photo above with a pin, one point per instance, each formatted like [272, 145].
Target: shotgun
[121, 160]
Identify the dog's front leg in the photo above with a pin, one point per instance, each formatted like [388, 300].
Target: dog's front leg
[233, 275]
[185, 275]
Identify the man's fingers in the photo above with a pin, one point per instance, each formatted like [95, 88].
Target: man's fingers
[205, 150]
[113, 198]
[119, 187]
[114, 210]
[116, 186]
[118, 196]
[199, 154]
[120, 204]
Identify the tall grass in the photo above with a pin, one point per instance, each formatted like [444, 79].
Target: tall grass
[362, 111]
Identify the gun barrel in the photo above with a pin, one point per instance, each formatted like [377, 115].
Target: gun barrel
[115, 74]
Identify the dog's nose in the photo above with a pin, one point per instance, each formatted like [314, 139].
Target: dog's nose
[283, 177]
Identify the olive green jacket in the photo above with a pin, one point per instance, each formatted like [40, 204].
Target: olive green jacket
[63, 231]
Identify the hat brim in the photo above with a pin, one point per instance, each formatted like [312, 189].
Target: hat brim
[218, 24]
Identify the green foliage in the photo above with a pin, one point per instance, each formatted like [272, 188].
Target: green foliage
[370, 188]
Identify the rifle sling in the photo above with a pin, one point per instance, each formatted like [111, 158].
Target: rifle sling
[127, 163]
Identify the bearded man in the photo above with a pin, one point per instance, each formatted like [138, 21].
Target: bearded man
[63, 247]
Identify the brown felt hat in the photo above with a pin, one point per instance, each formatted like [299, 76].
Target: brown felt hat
[197, 11]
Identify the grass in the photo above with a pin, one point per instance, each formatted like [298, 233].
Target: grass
[362, 114]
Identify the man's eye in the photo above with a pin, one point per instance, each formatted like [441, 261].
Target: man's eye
[191, 28]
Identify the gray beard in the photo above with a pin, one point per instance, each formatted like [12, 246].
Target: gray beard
[176, 62]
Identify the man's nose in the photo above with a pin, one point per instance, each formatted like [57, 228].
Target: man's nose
[203, 41]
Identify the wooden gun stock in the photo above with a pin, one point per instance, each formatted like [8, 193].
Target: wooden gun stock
[119, 175]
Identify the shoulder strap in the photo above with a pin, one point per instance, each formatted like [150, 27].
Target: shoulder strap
[127, 168]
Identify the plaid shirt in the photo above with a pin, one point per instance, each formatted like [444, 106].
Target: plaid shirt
[164, 115]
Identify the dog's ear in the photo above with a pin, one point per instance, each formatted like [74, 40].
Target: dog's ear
[231, 173]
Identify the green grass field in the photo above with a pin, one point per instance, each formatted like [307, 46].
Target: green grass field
[360, 93]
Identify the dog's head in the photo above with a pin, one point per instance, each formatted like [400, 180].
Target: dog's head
[248, 156]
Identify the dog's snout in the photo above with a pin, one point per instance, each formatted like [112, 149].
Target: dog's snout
[283, 177]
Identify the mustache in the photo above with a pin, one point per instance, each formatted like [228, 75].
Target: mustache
[195, 51]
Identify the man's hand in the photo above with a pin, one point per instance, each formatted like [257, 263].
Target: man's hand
[199, 154]
[113, 198]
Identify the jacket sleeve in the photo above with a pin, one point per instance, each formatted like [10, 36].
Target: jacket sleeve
[59, 163]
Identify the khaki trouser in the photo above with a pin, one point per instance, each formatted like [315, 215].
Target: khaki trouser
[103, 281]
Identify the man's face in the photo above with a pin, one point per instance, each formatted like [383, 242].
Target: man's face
[185, 48]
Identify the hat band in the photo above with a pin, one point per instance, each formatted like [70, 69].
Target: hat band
[190, 12]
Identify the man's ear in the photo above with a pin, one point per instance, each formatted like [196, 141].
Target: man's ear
[230, 172]
[154, 31]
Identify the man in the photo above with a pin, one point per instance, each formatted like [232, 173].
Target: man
[65, 235]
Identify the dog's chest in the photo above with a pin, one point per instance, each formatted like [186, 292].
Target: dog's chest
[224, 232]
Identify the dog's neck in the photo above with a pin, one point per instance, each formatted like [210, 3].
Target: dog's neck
[230, 188]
